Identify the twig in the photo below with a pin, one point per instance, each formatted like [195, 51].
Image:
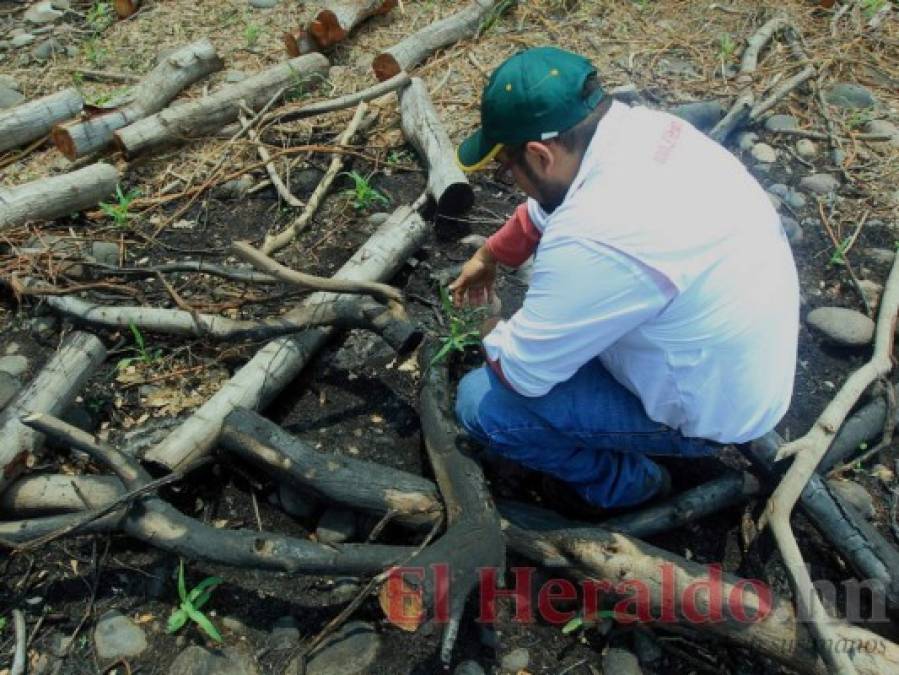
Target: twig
[256, 510]
[278, 241]
[273, 176]
[379, 527]
[838, 245]
[780, 91]
[21, 154]
[887, 437]
[18, 662]
[107, 76]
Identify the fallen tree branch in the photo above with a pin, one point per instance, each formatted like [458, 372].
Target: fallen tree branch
[49, 494]
[172, 74]
[218, 108]
[51, 198]
[808, 451]
[780, 91]
[275, 242]
[249, 276]
[337, 21]
[276, 364]
[270, 169]
[417, 47]
[422, 127]
[51, 391]
[18, 660]
[382, 292]
[33, 120]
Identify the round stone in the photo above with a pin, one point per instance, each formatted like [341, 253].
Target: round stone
[781, 123]
[762, 152]
[806, 148]
[792, 229]
[469, 668]
[9, 82]
[352, 650]
[620, 662]
[701, 114]
[48, 48]
[780, 190]
[844, 327]
[746, 139]
[849, 96]
[795, 200]
[9, 97]
[518, 659]
[336, 526]
[199, 661]
[22, 40]
[883, 128]
[118, 637]
[819, 183]
[14, 365]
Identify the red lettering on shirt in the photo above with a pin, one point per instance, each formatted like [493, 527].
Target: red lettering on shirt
[668, 142]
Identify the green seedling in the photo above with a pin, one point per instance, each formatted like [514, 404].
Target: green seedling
[119, 211]
[192, 603]
[251, 35]
[99, 16]
[726, 47]
[364, 195]
[839, 254]
[580, 621]
[871, 7]
[94, 53]
[464, 328]
[144, 355]
[858, 119]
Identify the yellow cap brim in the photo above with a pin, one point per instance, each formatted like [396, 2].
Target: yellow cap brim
[475, 152]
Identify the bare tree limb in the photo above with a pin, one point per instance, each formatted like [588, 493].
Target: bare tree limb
[33, 120]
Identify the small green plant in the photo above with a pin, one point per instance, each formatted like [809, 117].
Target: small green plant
[871, 7]
[464, 328]
[364, 195]
[726, 47]
[94, 53]
[839, 254]
[397, 157]
[144, 354]
[119, 211]
[192, 603]
[493, 16]
[251, 35]
[858, 119]
[99, 17]
[580, 621]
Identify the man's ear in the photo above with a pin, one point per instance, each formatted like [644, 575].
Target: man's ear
[542, 155]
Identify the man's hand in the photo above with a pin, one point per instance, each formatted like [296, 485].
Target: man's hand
[474, 286]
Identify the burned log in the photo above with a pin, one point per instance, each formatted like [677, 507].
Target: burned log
[29, 121]
[51, 494]
[473, 538]
[219, 108]
[390, 322]
[173, 73]
[654, 585]
[447, 185]
[52, 391]
[276, 364]
[337, 21]
[50, 198]
[410, 499]
[417, 47]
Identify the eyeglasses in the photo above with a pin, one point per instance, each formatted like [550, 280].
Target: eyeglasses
[506, 160]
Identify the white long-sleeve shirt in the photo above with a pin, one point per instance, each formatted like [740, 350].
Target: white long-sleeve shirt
[667, 261]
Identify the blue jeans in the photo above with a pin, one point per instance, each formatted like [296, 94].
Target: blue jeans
[590, 432]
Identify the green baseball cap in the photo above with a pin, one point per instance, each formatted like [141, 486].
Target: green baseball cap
[532, 96]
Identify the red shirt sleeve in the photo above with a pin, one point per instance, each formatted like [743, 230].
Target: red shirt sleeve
[515, 241]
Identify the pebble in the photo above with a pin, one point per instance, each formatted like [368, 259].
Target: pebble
[884, 127]
[200, 661]
[48, 48]
[296, 503]
[14, 365]
[518, 659]
[620, 662]
[378, 219]
[9, 387]
[9, 82]
[263, 4]
[781, 123]
[105, 252]
[842, 326]
[352, 650]
[762, 152]
[795, 200]
[806, 148]
[469, 668]
[336, 526]
[849, 96]
[118, 637]
[22, 40]
[746, 139]
[9, 97]
[884, 256]
[42, 12]
[345, 589]
[856, 495]
[819, 183]
[701, 114]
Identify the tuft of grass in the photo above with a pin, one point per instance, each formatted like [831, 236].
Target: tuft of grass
[839, 254]
[119, 211]
[94, 53]
[363, 194]
[144, 354]
[192, 603]
[726, 47]
[871, 7]
[493, 16]
[464, 328]
[100, 16]
[251, 34]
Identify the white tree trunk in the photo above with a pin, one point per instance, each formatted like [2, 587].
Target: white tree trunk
[29, 121]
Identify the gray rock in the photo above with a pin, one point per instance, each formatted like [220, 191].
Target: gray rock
[781, 123]
[885, 128]
[305, 180]
[297, 503]
[42, 12]
[838, 156]
[235, 625]
[236, 188]
[856, 495]
[620, 662]
[701, 114]
[378, 219]
[14, 365]
[819, 183]
[263, 4]
[762, 152]
[105, 252]
[9, 97]
[199, 661]
[849, 96]
[779, 189]
[22, 40]
[842, 326]
[43, 327]
[234, 76]
[61, 5]
[285, 633]
[469, 668]
[352, 650]
[9, 82]
[118, 637]
[746, 139]
[806, 148]
[47, 49]
[517, 659]
[795, 200]
[9, 387]
[345, 589]
[883, 256]
[336, 526]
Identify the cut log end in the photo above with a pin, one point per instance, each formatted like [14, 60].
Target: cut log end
[403, 605]
[125, 8]
[298, 43]
[385, 66]
[457, 199]
[326, 30]
[62, 139]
